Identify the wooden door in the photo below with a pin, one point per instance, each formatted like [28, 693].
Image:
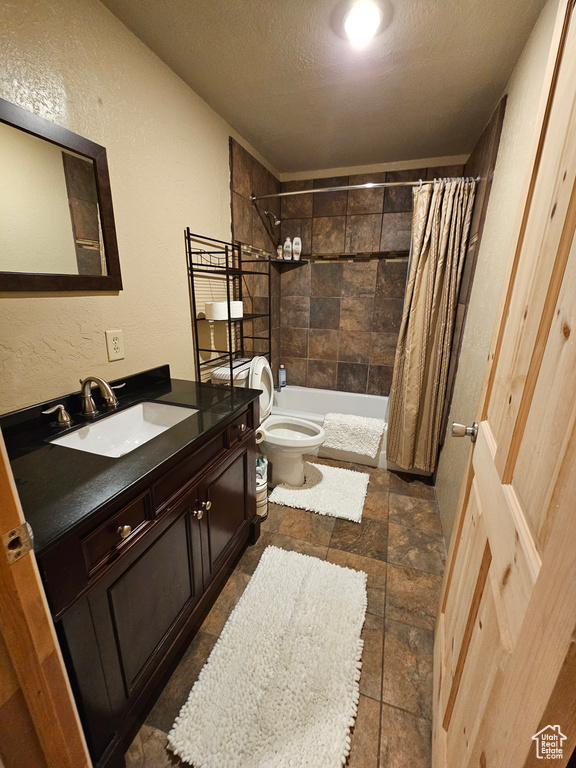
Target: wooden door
[505, 660]
[39, 724]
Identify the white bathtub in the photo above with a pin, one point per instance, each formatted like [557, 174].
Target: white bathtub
[314, 404]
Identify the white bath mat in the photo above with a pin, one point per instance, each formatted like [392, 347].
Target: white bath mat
[328, 491]
[357, 434]
[280, 688]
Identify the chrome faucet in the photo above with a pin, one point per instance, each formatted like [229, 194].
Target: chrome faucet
[88, 405]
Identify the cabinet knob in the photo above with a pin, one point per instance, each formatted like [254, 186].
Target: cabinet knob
[124, 531]
[207, 505]
[199, 513]
[242, 427]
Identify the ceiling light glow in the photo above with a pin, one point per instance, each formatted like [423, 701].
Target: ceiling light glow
[362, 22]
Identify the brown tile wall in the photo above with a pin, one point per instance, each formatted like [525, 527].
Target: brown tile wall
[340, 323]
[365, 221]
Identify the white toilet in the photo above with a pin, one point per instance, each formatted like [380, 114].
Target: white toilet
[285, 440]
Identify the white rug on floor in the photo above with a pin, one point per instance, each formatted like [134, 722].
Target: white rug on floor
[327, 490]
[357, 434]
[281, 686]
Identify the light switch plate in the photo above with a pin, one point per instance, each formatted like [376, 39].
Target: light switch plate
[115, 345]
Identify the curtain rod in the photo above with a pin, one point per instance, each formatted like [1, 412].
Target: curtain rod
[351, 186]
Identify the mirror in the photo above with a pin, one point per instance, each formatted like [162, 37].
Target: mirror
[57, 229]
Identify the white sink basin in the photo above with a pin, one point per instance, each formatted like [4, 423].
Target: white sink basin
[122, 432]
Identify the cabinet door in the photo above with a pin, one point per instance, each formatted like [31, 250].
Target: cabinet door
[225, 499]
[119, 634]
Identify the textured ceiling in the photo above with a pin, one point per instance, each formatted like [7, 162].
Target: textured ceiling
[306, 100]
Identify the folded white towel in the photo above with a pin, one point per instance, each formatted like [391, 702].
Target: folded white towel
[357, 434]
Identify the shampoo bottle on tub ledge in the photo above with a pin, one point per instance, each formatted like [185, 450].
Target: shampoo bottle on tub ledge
[282, 376]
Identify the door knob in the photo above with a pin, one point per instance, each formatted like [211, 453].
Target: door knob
[461, 430]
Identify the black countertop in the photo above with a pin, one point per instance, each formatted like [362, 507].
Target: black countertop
[60, 487]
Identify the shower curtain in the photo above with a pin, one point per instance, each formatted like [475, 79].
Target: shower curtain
[440, 229]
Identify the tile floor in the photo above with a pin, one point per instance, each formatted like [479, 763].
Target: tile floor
[399, 544]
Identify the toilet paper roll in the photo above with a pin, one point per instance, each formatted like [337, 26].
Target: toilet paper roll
[218, 310]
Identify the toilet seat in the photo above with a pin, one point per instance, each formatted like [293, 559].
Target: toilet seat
[260, 377]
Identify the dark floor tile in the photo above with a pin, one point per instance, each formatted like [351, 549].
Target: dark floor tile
[321, 374]
[363, 233]
[376, 503]
[326, 279]
[149, 750]
[178, 687]
[293, 342]
[387, 315]
[412, 596]
[323, 344]
[380, 380]
[225, 603]
[252, 554]
[364, 736]
[325, 313]
[374, 569]
[296, 370]
[379, 478]
[328, 234]
[298, 545]
[308, 526]
[383, 348]
[295, 311]
[295, 281]
[371, 677]
[414, 548]
[396, 232]
[411, 485]
[406, 740]
[354, 346]
[357, 314]
[391, 279]
[414, 513]
[366, 200]
[297, 206]
[276, 515]
[352, 377]
[359, 278]
[368, 538]
[330, 203]
[328, 462]
[376, 601]
[408, 668]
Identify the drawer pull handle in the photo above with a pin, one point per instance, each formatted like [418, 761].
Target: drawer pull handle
[124, 531]
[241, 427]
[199, 513]
[207, 505]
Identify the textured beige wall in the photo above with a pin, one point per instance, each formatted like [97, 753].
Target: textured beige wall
[72, 62]
[512, 165]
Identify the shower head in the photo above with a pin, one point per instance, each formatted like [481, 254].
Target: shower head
[275, 218]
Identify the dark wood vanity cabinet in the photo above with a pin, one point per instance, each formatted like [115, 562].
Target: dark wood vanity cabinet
[138, 599]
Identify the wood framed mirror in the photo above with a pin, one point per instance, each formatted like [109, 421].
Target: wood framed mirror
[57, 230]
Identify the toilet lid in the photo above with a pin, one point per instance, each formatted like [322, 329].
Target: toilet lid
[260, 377]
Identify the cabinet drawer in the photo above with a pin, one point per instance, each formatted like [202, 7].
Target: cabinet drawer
[238, 429]
[174, 480]
[109, 539]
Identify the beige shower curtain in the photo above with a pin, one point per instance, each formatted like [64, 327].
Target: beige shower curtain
[440, 229]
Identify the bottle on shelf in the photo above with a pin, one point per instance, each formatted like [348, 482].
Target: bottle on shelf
[282, 376]
[279, 251]
[296, 249]
[287, 249]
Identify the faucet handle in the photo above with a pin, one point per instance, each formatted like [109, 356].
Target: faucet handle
[63, 415]
[119, 386]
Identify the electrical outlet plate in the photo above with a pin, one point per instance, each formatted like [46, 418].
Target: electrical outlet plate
[115, 345]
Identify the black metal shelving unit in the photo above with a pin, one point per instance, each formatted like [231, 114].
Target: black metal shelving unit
[208, 256]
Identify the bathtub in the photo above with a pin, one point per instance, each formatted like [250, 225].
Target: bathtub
[314, 404]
